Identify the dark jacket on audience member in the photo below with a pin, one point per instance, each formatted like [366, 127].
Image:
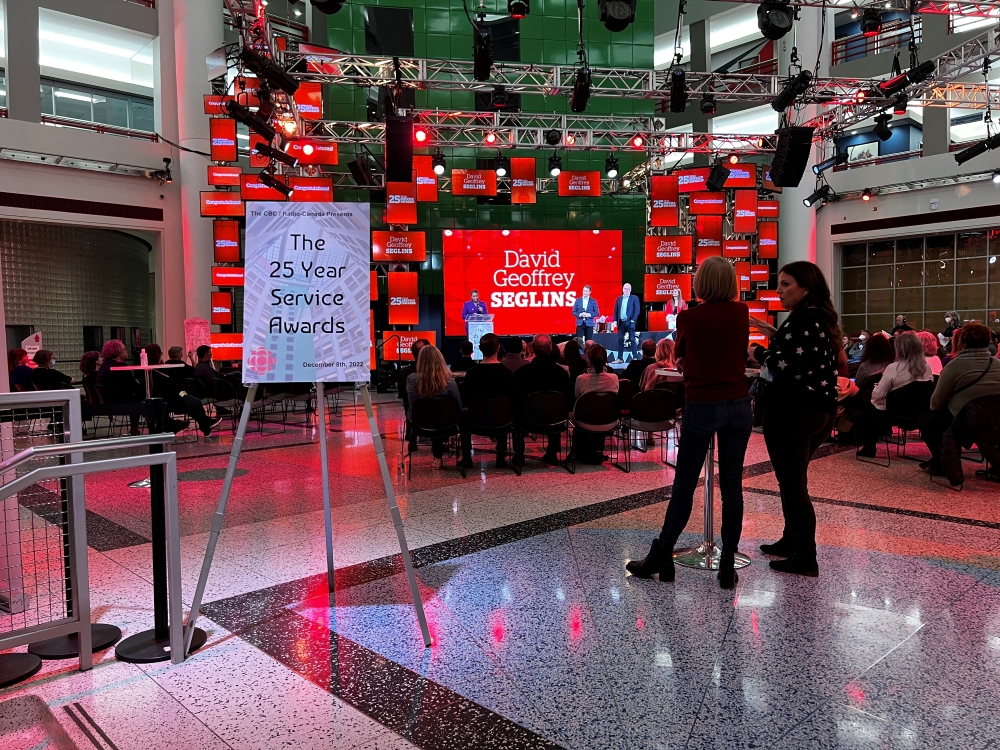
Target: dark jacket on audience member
[541, 374]
[206, 372]
[118, 386]
[513, 362]
[636, 368]
[47, 379]
[21, 375]
[487, 380]
[463, 364]
[181, 373]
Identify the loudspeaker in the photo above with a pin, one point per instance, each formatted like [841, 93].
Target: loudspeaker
[361, 171]
[791, 155]
[398, 148]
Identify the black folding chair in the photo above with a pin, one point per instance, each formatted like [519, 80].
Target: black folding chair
[543, 413]
[599, 414]
[652, 412]
[903, 408]
[436, 419]
[493, 417]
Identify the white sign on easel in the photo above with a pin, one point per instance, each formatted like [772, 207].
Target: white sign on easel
[306, 320]
[32, 344]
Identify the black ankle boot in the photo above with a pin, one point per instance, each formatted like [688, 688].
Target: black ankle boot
[796, 566]
[781, 548]
[728, 577]
[657, 561]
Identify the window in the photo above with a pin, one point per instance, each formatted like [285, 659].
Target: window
[80, 102]
[3, 89]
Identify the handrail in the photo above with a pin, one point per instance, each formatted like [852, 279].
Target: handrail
[887, 159]
[892, 35]
[97, 127]
[59, 449]
[147, 3]
[91, 467]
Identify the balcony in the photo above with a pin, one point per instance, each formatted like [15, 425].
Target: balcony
[893, 36]
[96, 127]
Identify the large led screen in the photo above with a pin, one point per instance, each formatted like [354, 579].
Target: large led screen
[529, 279]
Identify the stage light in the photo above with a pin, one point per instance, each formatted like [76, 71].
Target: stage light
[734, 158]
[899, 104]
[638, 141]
[794, 87]
[437, 161]
[163, 175]
[708, 104]
[616, 15]
[917, 75]
[267, 70]
[570, 139]
[490, 138]
[611, 166]
[881, 128]
[289, 127]
[980, 148]
[774, 19]
[275, 155]
[328, 6]
[482, 55]
[820, 195]
[678, 89]
[833, 161]
[272, 182]
[717, 177]
[555, 165]
[308, 149]
[518, 8]
[499, 98]
[552, 137]
[866, 194]
[243, 115]
[501, 165]
[420, 134]
[581, 90]
[871, 22]
[996, 177]
[859, 96]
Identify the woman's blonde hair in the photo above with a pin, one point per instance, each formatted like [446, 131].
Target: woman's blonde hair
[715, 280]
[910, 353]
[432, 373]
[665, 351]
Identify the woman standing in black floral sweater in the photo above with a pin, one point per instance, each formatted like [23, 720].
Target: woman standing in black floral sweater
[800, 405]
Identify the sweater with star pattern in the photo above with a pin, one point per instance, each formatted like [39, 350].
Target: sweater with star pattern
[802, 360]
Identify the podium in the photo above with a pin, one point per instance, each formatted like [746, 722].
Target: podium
[478, 326]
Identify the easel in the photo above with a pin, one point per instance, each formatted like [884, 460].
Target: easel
[220, 511]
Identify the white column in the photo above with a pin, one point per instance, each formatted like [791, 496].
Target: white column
[797, 224]
[197, 33]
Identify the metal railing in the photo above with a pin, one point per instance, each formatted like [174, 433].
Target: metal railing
[147, 3]
[887, 159]
[761, 67]
[892, 36]
[97, 127]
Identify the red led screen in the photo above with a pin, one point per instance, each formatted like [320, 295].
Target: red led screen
[659, 286]
[217, 203]
[473, 182]
[745, 212]
[663, 202]
[579, 183]
[226, 239]
[311, 189]
[216, 105]
[373, 289]
[742, 176]
[767, 239]
[403, 309]
[309, 101]
[309, 151]
[760, 273]
[767, 183]
[770, 297]
[708, 231]
[736, 248]
[224, 176]
[401, 203]
[427, 180]
[256, 160]
[222, 131]
[222, 308]
[252, 189]
[707, 203]
[661, 250]
[398, 349]
[743, 275]
[226, 346]
[227, 276]
[693, 180]
[398, 246]
[768, 209]
[529, 279]
[522, 180]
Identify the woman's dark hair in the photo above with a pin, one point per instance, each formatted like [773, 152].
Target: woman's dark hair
[43, 357]
[88, 362]
[153, 353]
[15, 357]
[879, 350]
[598, 358]
[808, 276]
[572, 358]
[976, 335]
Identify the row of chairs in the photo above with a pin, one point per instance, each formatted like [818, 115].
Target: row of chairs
[619, 416]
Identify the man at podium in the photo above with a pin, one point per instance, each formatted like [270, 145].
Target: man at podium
[473, 307]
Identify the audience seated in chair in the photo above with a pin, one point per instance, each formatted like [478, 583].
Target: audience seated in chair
[465, 362]
[170, 388]
[431, 379]
[514, 361]
[542, 374]
[637, 367]
[402, 376]
[589, 449]
[19, 370]
[488, 379]
[45, 377]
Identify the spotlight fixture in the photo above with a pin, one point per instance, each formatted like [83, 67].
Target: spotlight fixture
[866, 194]
[859, 96]
[420, 134]
[482, 55]
[708, 104]
[717, 177]
[570, 139]
[734, 158]
[257, 124]
[611, 166]
[678, 89]
[871, 22]
[518, 8]
[899, 104]
[820, 196]
[490, 138]
[328, 6]
[834, 161]
[616, 15]
[996, 176]
[915, 75]
[980, 148]
[273, 182]
[499, 98]
[553, 137]
[437, 162]
[794, 87]
[555, 165]
[638, 141]
[275, 155]
[774, 19]
[881, 128]
[581, 90]
[501, 165]
[267, 70]
[163, 175]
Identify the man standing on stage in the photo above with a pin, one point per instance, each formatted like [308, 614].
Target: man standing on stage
[626, 315]
[585, 310]
[473, 307]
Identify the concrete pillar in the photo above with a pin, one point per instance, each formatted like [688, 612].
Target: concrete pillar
[937, 120]
[198, 32]
[23, 74]
[701, 62]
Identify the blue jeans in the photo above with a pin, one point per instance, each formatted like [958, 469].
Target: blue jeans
[731, 421]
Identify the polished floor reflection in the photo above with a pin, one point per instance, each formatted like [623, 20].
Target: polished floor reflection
[541, 639]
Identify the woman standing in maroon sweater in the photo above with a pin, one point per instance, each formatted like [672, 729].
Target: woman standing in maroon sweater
[711, 349]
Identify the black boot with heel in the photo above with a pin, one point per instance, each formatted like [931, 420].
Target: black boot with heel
[728, 577]
[657, 561]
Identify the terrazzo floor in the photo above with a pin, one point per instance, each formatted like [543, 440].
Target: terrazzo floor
[541, 640]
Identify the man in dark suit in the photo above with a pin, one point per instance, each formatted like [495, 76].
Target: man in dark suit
[542, 374]
[637, 367]
[488, 379]
[465, 362]
[585, 310]
[626, 315]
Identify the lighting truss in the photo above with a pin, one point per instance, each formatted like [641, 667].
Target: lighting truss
[71, 162]
[983, 8]
[902, 187]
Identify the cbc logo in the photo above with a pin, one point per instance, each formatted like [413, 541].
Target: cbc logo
[261, 361]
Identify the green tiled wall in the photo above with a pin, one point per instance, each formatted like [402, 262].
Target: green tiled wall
[548, 35]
